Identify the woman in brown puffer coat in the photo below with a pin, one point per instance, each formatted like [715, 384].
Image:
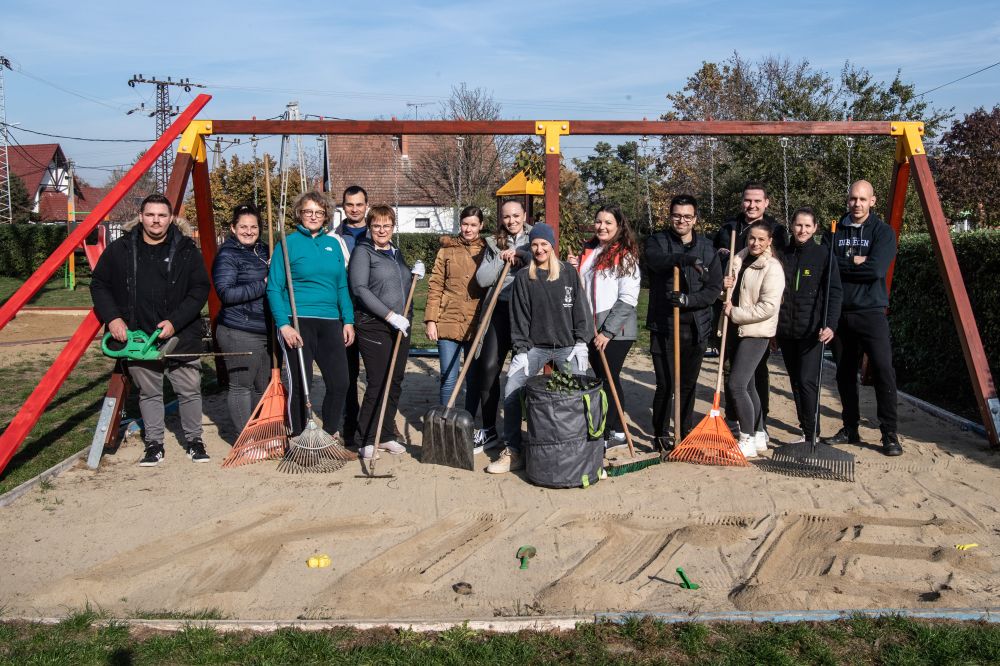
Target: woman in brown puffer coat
[453, 297]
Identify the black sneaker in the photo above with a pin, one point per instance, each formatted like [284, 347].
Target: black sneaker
[844, 436]
[663, 444]
[890, 444]
[196, 451]
[154, 454]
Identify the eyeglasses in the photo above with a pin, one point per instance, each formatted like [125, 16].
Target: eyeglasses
[313, 213]
[685, 218]
[380, 227]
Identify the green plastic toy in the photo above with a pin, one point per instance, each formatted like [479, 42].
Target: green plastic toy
[687, 584]
[139, 346]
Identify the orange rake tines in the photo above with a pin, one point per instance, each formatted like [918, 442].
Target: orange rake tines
[265, 436]
[710, 442]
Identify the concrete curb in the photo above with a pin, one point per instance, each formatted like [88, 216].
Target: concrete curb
[11, 496]
[512, 625]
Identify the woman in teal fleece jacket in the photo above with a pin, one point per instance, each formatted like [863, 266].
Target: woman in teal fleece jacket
[323, 302]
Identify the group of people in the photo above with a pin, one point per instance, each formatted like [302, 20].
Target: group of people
[351, 285]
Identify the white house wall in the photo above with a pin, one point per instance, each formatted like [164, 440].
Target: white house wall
[442, 220]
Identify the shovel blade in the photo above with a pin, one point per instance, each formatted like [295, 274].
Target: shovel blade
[448, 435]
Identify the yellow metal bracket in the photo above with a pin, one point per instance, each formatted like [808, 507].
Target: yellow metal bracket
[552, 129]
[909, 142]
[193, 139]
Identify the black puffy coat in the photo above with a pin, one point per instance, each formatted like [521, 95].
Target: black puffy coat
[660, 254]
[806, 270]
[113, 286]
[239, 274]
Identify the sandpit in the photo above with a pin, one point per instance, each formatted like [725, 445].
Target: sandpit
[183, 537]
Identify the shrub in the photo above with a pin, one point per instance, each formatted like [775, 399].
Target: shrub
[23, 247]
[419, 246]
[927, 354]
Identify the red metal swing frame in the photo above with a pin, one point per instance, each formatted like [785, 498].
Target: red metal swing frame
[191, 164]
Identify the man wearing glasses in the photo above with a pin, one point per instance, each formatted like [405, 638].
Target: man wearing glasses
[701, 281]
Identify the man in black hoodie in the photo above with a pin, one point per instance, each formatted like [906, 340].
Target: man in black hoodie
[154, 277]
[864, 247]
[755, 203]
[701, 281]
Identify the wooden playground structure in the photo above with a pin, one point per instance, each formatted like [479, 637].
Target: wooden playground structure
[911, 163]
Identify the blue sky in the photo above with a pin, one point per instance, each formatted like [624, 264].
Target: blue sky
[580, 59]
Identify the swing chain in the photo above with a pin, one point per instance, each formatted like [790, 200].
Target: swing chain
[712, 142]
[645, 173]
[395, 176]
[253, 145]
[850, 149]
[784, 141]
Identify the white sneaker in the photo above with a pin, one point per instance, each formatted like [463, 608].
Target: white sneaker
[392, 446]
[367, 451]
[801, 439]
[760, 440]
[509, 460]
[616, 437]
[748, 447]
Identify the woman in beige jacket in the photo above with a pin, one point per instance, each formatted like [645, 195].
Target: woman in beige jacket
[757, 282]
[453, 297]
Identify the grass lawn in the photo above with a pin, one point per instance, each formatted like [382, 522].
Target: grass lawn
[53, 294]
[81, 639]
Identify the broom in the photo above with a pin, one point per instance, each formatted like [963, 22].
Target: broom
[387, 386]
[265, 436]
[806, 459]
[711, 442]
[313, 450]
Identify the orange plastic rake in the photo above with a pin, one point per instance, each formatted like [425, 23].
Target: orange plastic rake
[265, 436]
[711, 442]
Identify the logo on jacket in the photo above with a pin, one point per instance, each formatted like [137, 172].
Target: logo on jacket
[568, 297]
[328, 249]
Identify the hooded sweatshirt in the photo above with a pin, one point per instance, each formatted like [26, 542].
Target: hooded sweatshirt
[864, 284]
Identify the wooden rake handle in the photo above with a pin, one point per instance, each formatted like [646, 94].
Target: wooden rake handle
[725, 324]
[677, 360]
[484, 322]
[386, 386]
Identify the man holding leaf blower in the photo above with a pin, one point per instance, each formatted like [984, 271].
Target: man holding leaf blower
[154, 277]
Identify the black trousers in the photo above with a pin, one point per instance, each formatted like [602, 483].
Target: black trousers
[375, 341]
[865, 332]
[761, 378]
[661, 347]
[323, 343]
[351, 406]
[802, 359]
[615, 352]
[496, 345]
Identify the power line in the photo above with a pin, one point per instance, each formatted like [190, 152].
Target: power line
[961, 78]
[74, 138]
[16, 67]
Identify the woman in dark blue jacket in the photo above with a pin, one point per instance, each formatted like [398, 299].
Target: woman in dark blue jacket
[240, 276]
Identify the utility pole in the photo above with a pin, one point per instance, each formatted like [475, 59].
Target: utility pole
[163, 112]
[416, 108]
[6, 207]
[292, 113]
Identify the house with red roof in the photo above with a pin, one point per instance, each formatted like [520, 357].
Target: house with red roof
[44, 170]
[390, 169]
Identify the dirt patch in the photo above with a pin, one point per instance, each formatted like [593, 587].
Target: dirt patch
[184, 536]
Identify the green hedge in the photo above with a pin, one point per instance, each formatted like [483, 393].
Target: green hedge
[927, 354]
[23, 247]
[419, 246]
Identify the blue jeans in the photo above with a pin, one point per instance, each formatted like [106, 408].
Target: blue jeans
[451, 365]
[537, 358]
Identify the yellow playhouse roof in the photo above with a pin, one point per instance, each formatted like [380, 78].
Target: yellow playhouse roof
[520, 184]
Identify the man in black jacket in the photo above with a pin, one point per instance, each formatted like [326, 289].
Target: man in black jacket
[864, 247]
[701, 281]
[755, 203]
[807, 321]
[353, 229]
[153, 277]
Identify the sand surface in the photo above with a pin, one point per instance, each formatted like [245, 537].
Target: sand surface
[186, 537]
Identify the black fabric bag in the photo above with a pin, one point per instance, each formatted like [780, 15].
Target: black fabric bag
[564, 448]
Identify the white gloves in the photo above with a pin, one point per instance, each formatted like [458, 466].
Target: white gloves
[399, 322]
[418, 270]
[582, 356]
[519, 363]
